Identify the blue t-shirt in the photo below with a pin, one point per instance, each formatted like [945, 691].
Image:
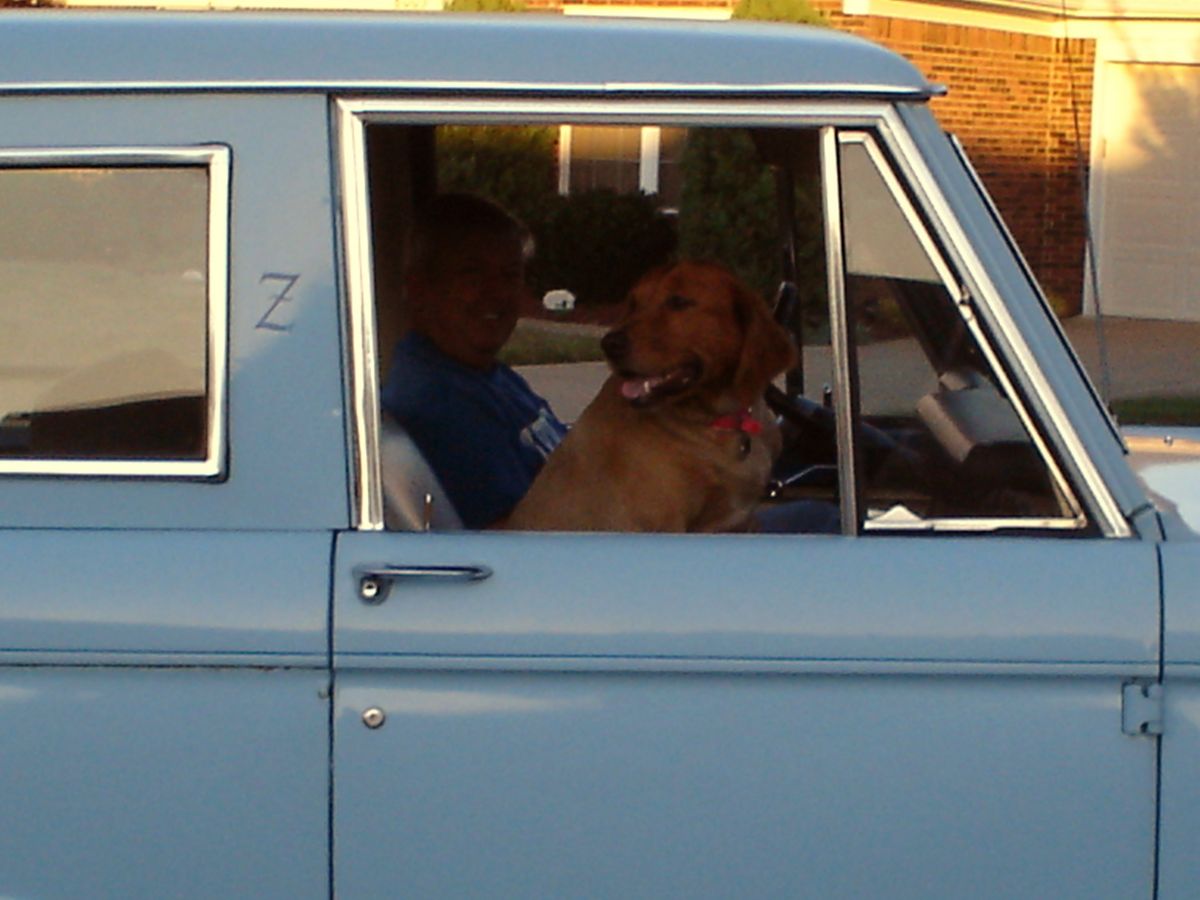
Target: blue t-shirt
[484, 434]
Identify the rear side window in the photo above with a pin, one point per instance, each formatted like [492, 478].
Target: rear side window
[112, 312]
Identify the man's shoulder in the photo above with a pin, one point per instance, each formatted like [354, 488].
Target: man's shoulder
[426, 386]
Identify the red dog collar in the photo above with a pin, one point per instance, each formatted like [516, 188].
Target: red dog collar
[739, 421]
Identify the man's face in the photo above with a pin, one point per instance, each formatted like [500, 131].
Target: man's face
[468, 304]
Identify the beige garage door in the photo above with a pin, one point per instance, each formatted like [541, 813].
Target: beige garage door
[1149, 241]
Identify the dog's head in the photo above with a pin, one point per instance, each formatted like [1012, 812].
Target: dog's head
[693, 329]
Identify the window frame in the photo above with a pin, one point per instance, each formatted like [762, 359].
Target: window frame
[216, 159]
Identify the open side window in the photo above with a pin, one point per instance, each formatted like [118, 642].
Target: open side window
[592, 240]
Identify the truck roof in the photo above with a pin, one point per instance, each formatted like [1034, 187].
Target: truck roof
[58, 50]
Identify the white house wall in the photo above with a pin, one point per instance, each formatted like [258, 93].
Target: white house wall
[1145, 202]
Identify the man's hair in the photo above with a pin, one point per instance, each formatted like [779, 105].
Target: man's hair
[448, 219]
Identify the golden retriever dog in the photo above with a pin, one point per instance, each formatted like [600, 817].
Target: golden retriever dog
[678, 438]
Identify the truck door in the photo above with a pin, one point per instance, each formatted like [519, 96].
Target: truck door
[939, 700]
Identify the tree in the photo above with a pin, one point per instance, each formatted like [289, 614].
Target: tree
[729, 208]
[798, 11]
[727, 211]
[515, 166]
[485, 6]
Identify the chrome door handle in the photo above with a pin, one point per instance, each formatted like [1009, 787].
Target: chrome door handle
[375, 582]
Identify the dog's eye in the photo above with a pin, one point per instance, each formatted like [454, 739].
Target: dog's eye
[676, 303]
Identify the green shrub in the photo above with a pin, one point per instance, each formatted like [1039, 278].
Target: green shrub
[597, 243]
[594, 243]
[727, 211]
[1158, 410]
[730, 214]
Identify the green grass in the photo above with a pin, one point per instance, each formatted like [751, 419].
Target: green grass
[1183, 410]
[531, 345]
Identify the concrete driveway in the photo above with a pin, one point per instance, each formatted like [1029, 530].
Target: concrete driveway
[1145, 357]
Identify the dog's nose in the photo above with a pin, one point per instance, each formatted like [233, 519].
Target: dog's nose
[615, 345]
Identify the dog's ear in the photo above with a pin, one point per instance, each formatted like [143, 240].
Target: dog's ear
[767, 348]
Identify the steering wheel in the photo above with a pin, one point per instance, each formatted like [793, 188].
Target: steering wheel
[816, 425]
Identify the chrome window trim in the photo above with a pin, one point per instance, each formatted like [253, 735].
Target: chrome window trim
[1062, 485]
[217, 160]
[839, 330]
[640, 110]
[1103, 507]
[681, 91]
[979, 525]
[363, 365]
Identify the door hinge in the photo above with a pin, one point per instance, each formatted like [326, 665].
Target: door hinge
[1142, 708]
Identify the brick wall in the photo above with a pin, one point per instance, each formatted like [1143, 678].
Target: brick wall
[1010, 103]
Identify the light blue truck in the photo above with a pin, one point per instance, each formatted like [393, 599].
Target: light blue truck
[221, 675]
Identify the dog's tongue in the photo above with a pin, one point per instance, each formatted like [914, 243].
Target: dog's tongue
[637, 388]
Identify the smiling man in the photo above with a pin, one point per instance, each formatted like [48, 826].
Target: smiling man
[481, 428]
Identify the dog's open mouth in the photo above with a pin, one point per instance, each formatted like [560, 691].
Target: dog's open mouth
[643, 390]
